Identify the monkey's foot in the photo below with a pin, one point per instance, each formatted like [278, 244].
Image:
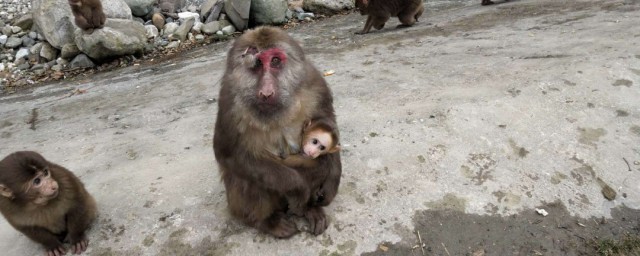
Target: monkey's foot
[56, 251]
[80, 246]
[487, 2]
[361, 32]
[278, 226]
[318, 221]
[403, 26]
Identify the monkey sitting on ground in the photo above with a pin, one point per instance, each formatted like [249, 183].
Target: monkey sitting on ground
[268, 91]
[46, 202]
[318, 138]
[379, 11]
[88, 14]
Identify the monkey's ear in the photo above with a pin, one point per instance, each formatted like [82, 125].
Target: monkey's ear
[5, 191]
[307, 123]
[334, 149]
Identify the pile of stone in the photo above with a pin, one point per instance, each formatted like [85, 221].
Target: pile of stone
[39, 39]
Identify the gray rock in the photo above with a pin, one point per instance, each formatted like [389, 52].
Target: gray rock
[206, 7]
[56, 67]
[33, 35]
[16, 29]
[184, 28]
[140, 8]
[171, 6]
[3, 39]
[38, 66]
[55, 21]
[27, 41]
[215, 12]
[238, 12]
[199, 38]
[170, 28]
[35, 49]
[48, 52]
[228, 30]
[224, 23]
[304, 15]
[13, 42]
[139, 20]
[184, 16]
[328, 6]
[61, 61]
[269, 11]
[211, 27]
[82, 61]
[118, 37]
[197, 27]
[6, 30]
[173, 45]
[23, 53]
[152, 31]
[69, 51]
[23, 66]
[288, 14]
[192, 8]
[25, 22]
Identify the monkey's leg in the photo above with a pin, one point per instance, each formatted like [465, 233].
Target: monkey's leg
[487, 2]
[98, 17]
[78, 221]
[367, 25]
[49, 240]
[257, 207]
[407, 18]
[419, 13]
[378, 22]
[278, 225]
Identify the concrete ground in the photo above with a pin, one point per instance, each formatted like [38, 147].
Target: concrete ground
[476, 115]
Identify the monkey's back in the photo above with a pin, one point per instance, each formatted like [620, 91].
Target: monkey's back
[392, 7]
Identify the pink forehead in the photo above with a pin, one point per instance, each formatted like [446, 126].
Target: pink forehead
[267, 55]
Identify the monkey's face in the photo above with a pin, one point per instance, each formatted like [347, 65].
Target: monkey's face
[317, 143]
[42, 187]
[265, 67]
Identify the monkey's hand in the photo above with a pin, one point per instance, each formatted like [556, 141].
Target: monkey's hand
[318, 221]
[59, 251]
[80, 246]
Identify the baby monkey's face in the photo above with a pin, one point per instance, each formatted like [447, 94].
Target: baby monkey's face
[317, 143]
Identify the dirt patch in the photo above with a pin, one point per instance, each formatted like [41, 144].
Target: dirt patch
[447, 232]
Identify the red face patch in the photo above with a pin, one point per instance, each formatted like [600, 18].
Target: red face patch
[272, 59]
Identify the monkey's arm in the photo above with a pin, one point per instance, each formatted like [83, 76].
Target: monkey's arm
[296, 161]
[49, 240]
[329, 188]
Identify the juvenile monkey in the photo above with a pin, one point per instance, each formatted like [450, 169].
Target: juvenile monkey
[45, 202]
[318, 138]
[88, 14]
[379, 11]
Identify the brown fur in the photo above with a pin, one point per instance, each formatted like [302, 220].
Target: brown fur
[158, 21]
[379, 11]
[65, 217]
[88, 14]
[260, 189]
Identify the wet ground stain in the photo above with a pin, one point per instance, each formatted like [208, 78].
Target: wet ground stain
[447, 232]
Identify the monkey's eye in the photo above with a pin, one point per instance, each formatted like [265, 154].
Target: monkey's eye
[322, 148]
[37, 181]
[314, 141]
[275, 62]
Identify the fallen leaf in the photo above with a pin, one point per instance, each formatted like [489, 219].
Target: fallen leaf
[328, 73]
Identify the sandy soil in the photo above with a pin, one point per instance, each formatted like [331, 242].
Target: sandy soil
[456, 129]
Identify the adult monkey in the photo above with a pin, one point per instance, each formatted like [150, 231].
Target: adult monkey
[269, 89]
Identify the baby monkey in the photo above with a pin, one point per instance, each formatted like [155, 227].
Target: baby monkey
[45, 202]
[318, 138]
